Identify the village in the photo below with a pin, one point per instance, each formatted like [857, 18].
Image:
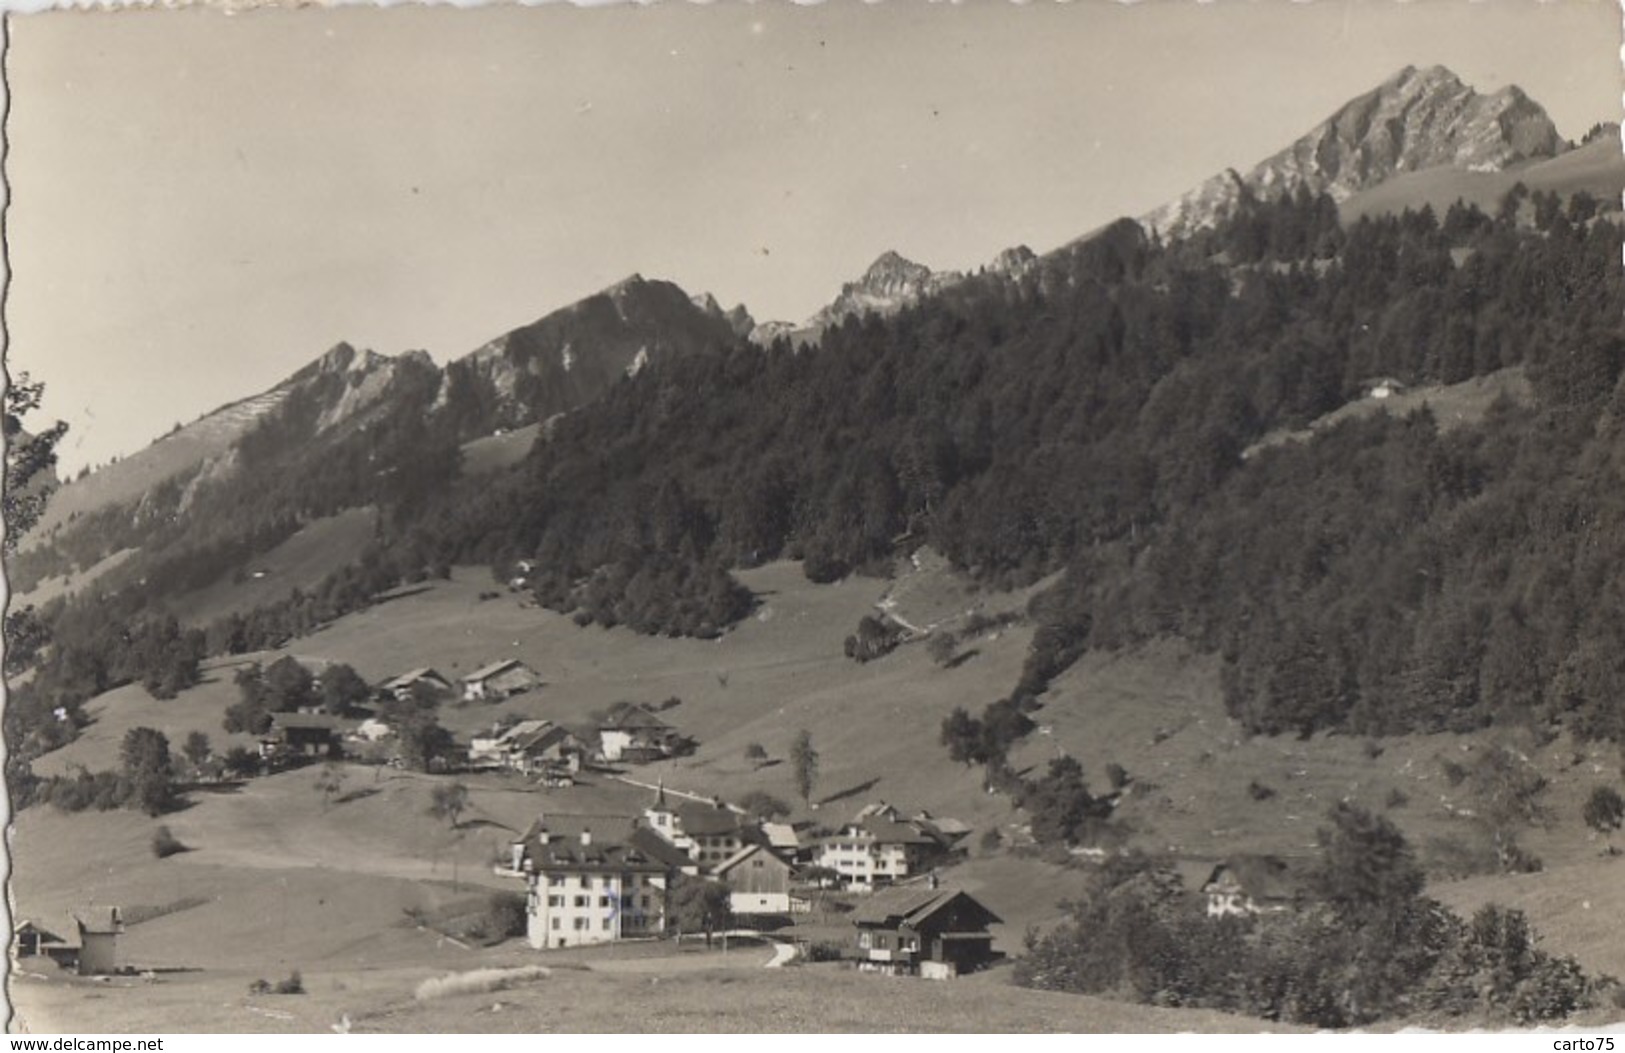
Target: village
[685, 863]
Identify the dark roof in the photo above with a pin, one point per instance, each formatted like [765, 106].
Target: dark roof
[1261, 877]
[911, 906]
[307, 722]
[700, 819]
[745, 853]
[633, 718]
[485, 672]
[538, 738]
[618, 843]
[565, 825]
[889, 832]
[412, 676]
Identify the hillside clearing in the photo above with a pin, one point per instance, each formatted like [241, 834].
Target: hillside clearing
[1453, 406]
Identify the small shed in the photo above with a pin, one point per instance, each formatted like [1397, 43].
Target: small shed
[31, 940]
[99, 930]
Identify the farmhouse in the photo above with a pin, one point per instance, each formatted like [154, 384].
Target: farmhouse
[593, 879]
[531, 747]
[302, 736]
[758, 881]
[99, 930]
[401, 687]
[499, 680]
[1248, 884]
[880, 846]
[632, 733]
[923, 931]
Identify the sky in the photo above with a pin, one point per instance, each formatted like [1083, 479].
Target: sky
[201, 203]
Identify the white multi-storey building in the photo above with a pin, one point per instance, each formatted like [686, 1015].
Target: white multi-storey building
[586, 887]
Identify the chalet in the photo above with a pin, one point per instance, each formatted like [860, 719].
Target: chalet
[302, 736]
[708, 832]
[499, 680]
[923, 931]
[758, 881]
[593, 879]
[1383, 388]
[31, 940]
[880, 846]
[530, 746]
[99, 930]
[401, 687]
[632, 733]
[1243, 885]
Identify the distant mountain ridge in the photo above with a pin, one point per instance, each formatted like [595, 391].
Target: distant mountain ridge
[891, 283]
[1412, 126]
[1415, 120]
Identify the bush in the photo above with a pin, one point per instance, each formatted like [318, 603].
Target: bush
[1398, 798]
[479, 981]
[1604, 810]
[293, 985]
[165, 844]
[505, 916]
[874, 639]
[824, 951]
[1258, 791]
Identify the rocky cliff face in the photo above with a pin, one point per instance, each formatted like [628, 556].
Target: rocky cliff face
[1414, 120]
[890, 284]
[573, 355]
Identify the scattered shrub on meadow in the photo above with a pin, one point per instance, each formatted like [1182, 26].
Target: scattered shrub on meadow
[166, 844]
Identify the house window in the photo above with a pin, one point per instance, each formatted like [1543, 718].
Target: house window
[603, 901]
[756, 863]
[881, 942]
[555, 880]
[607, 924]
[863, 935]
[583, 901]
[580, 923]
[555, 924]
[586, 882]
[555, 901]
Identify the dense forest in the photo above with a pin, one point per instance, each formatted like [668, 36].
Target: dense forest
[1386, 576]
[1089, 418]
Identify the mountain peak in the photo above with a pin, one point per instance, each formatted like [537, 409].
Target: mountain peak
[891, 266]
[1416, 119]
